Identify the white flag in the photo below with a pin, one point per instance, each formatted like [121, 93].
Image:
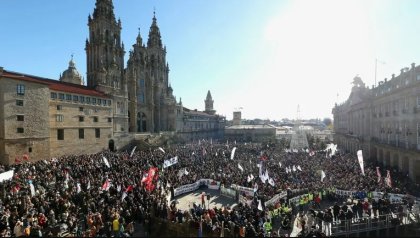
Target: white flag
[322, 175]
[260, 205]
[240, 167]
[132, 152]
[280, 164]
[160, 148]
[124, 195]
[88, 186]
[287, 170]
[255, 187]
[79, 189]
[233, 153]
[251, 176]
[119, 187]
[294, 168]
[360, 158]
[32, 189]
[299, 168]
[186, 172]
[106, 162]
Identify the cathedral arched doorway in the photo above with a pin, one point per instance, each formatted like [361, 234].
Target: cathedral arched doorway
[141, 122]
[111, 145]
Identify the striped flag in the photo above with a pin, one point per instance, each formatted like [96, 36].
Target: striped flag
[388, 179]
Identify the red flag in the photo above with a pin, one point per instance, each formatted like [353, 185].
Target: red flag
[379, 174]
[145, 175]
[106, 185]
[26, 157]
[15, 188]
[151, 175]
[129, 188]
[263, 158]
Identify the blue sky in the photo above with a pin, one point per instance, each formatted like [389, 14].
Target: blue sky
[265, 56]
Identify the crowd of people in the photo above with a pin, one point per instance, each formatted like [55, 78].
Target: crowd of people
[88, 197]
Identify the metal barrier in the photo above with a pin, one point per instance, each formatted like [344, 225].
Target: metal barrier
[346, 227]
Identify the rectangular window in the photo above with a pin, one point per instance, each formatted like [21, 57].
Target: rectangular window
[93, 101]
[87, 100]
[109, 119]
[54, 96]
[81, 133]
[95, 119]
[20, 89]
[81, 119]
[142, 83]
[103, 102]
[68, 97]
[61, 96]
[97, 133]
[59, 118]
[109, 102]
[19, 130]
[19, 103]
[75, 98]
[82, 99]
[60, 134]
[80, 109]
[20, 118]
[99, 101]
[59, 107]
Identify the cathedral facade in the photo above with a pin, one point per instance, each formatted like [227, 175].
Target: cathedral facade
[143, 97]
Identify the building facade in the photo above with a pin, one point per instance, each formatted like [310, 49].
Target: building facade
[383, 121]
[195, 125]
[43, 118]
[250, 133]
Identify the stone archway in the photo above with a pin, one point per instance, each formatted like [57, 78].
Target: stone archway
[111, 145]
[141, 122]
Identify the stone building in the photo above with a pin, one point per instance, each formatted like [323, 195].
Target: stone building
[195, 125]
[152, 103]
[42, 118]
[383, 121]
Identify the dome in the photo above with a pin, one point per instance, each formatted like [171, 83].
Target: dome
[71, 75]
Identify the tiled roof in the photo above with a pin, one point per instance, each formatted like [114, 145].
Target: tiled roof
[54, 84]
